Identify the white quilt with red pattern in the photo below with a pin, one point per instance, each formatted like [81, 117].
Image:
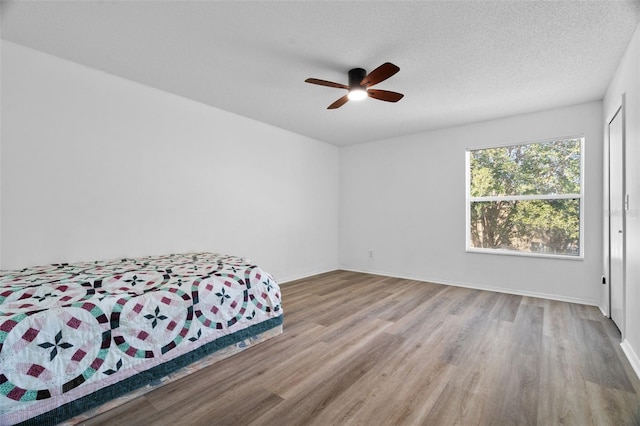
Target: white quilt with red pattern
[69, 330]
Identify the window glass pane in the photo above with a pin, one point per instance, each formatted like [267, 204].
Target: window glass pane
[533, 169]
[535, 226]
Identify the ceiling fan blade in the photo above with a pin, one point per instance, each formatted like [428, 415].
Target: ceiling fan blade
[385, 95]
[337, 104]
[326, 83]
[381, 73]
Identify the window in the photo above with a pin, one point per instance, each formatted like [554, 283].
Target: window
[526, 198]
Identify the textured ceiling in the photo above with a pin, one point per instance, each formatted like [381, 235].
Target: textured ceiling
[460, 61]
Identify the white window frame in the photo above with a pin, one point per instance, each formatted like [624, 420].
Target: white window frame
[469, 200]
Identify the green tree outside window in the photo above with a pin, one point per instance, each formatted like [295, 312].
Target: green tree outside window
[527, 197]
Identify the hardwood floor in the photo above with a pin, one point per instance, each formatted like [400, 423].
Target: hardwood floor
[360, 349]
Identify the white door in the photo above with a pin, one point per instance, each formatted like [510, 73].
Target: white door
[616, 221]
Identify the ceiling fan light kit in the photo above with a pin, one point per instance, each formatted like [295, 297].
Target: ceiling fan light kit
[357, 92]
[360, 83]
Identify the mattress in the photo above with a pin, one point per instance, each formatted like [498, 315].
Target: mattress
[73, 336]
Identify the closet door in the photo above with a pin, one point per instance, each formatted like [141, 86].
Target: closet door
[616, 219]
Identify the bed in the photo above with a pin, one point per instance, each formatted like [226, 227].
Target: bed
[74, 336]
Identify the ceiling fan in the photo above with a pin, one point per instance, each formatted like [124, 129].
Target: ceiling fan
[360, 83]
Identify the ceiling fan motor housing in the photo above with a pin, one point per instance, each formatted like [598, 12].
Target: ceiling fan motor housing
[356, 76]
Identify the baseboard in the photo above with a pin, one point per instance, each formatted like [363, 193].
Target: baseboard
[604, 311]
[631, 356]
[306, 274]
[482, 287]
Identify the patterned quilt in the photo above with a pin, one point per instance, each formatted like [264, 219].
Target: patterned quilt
[75, 335]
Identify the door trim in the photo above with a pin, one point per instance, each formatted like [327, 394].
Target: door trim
[619, 108]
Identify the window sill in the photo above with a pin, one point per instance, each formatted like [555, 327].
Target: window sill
[524, 254]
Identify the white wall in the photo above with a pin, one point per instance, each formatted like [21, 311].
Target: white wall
[404, 198]
[1, 49]
[94, 166]
[627, 81]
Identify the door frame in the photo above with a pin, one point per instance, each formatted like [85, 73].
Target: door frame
[619, 108]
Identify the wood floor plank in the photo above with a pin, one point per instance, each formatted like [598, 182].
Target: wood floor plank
[300, 408]
[519, 391]
[411, 298]
[410, 384]
[468, 398]
[557, 319]
[241, 405]
[527, 334]
[465, 340]
[506, 307]
[136, 411]
[334, 356]
[423, 321]
[463, 298]
[563, 393]
[602, 364]
[360, 349]
[615, 407]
